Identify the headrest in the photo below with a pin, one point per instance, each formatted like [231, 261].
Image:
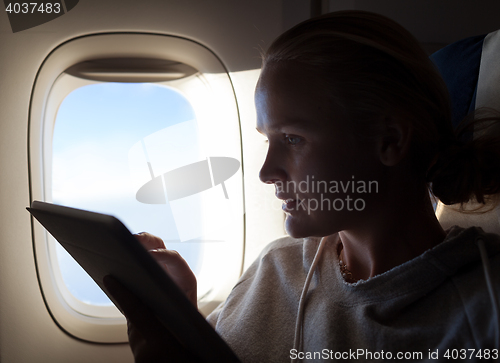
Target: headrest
[471, 71]
[458, 64]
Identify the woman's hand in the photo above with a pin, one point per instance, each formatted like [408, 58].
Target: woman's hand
[149, 340]
[175, 266]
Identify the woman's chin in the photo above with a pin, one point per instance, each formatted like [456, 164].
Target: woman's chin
[296, 228]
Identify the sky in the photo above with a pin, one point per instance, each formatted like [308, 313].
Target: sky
[96, 127]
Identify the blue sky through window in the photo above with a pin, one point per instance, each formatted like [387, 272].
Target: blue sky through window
[96, 126]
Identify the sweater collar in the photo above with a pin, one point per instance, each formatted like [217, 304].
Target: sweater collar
[411, 279]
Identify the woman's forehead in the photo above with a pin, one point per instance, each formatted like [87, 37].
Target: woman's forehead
[287, 73]
[288, 93]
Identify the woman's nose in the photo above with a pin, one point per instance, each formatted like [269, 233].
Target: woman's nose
[272, 170]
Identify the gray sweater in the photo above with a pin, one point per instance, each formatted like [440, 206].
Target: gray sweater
[434, 306]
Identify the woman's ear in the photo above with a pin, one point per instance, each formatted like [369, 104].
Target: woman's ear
[394, 141]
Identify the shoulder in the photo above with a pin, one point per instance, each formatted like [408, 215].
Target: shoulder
[461, 249]
[276, 255]
[468, 257]
[280, 261]
[285, 254]
[282, 245]
[475, 252]
[476, 280]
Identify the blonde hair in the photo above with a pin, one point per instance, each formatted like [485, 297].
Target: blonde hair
[371, 67]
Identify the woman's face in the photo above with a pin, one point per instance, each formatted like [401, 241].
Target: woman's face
[325, 175]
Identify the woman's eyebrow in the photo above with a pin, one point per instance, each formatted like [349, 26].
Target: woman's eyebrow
[298, 124]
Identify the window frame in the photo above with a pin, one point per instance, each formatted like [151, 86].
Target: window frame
[45, 102]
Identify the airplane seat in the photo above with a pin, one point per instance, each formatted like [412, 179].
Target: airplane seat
[471, 71]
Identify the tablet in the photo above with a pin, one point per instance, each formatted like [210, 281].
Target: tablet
[102, 245]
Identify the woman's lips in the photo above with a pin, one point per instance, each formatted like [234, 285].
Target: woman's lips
[289, 205]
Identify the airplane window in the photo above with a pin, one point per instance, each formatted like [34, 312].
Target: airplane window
[137, 151]
[97, 131]
[146, 128]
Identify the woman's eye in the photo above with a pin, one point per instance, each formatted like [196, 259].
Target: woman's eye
[293, 140]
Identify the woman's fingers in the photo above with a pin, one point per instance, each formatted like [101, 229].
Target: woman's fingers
[172, 262]
[179, 271]
[149, 241]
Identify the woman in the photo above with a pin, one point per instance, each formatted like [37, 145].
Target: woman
[368, 273]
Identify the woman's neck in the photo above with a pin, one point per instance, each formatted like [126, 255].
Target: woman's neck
[389, 240]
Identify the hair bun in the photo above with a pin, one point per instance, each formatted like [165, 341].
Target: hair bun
[467, 171]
